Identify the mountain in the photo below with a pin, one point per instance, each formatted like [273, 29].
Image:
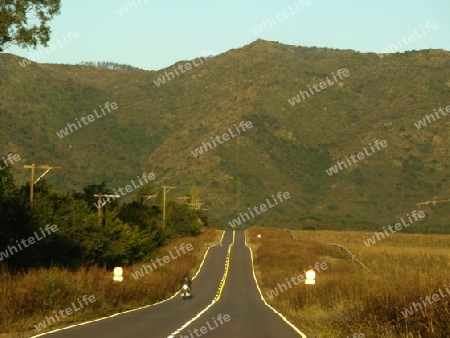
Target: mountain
[291, 146]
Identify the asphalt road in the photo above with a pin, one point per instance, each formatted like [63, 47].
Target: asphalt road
[249, 317]
[243, 313]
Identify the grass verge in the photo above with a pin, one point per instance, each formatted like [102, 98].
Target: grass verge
[27, 298]
[347, 299]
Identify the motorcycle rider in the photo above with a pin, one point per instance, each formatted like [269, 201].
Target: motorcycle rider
[186, 280]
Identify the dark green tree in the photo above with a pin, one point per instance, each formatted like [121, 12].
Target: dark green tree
[14, 220]
[93, 201]
[182, 221]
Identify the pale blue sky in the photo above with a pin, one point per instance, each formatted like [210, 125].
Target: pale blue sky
[159, 33]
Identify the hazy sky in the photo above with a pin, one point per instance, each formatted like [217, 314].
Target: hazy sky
[154, 34]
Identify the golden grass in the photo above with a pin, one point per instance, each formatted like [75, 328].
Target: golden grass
[346, 298]
[27, 298]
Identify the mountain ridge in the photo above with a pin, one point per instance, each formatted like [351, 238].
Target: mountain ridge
[289, 147]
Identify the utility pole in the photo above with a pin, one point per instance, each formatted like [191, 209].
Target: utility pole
[196, 204]
[164, 205]
[32, 181]
[100, 204]
[142, 206]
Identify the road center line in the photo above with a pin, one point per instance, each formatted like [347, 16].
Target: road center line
[140, 308]
[218, 294]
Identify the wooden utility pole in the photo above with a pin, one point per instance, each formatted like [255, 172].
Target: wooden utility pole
[164, 205]
[142, 206]
[100, 204]
[32, 181]
[196, 204]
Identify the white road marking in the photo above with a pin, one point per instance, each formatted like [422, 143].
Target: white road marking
[216, 298]
[139, 308]
[270, 307]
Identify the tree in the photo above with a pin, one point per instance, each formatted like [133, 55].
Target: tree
[182, 220]
[14, 219]
[14, 22]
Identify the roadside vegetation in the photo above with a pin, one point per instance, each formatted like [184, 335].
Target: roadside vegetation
[27, 298]
[45, 272]
[348, 299]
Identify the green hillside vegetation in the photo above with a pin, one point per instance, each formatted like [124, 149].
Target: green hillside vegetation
[155, 128]
[76, 233]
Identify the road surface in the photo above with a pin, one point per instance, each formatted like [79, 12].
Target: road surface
[239, 311]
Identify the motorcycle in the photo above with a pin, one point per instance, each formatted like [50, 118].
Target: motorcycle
[185, 291]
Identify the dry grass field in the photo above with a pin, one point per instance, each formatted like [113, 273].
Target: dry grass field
[26, 299]
[348, 299]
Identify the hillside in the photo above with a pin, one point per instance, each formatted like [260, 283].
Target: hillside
[155, 128]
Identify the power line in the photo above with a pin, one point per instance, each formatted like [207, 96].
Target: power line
[32, 181]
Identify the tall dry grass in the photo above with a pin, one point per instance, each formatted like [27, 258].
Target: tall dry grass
[348, 299]
[27, 298]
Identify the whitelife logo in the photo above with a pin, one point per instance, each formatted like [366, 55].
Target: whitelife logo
[90, 118]
[423, 123]
[300, 278]
[411, 38]
[69, 37]
[31, 240]
[145, 176]
[11, 157]
[130, 5]
[263, 207]
[222, 319]
[342, 165]
[323, 85]
[243, 125]
[415, 307]
[284, 15]
[187, 66]
[65, 313]
[166, 259]
[398, 226]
